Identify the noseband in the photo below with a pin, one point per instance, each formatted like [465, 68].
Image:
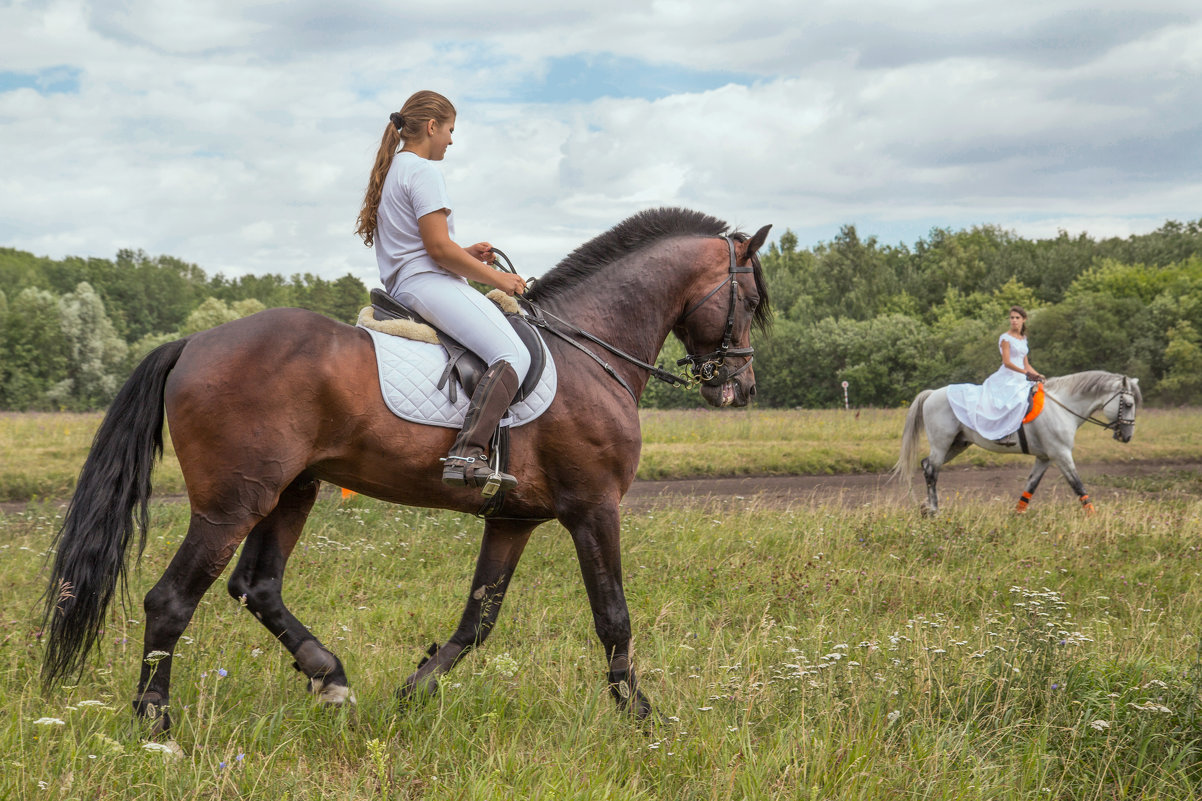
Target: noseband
[710, 369]
[1126, 413]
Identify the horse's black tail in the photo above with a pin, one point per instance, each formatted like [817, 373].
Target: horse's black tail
[90, 549]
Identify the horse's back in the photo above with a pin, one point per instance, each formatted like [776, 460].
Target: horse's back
[273, 350]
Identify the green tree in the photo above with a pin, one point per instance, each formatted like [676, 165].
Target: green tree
[33, 351]
[95, 354]
[1183, 358]
[209, 314]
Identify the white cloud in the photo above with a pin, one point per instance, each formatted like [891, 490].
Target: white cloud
[239, 135]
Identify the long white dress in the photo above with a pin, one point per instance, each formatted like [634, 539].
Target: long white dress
[997, 407]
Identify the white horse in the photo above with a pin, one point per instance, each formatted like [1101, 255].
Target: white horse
[1071, 401]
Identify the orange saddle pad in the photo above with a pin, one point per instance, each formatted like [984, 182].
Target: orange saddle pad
[1036, 404]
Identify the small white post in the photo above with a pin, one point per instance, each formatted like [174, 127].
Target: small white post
[846, 408]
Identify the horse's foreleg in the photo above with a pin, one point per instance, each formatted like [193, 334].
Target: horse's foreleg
[500, 550]
[257, 583]
[1069, 469]
[170, 604]
[1041, 466]
[596, 535]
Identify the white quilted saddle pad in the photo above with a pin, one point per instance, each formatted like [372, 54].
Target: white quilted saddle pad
[409, 373]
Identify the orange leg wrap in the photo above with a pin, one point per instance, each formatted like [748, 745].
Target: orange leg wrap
[1022, 502]
[1087, 505]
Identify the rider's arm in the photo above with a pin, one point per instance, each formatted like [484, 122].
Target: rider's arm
[450, 256]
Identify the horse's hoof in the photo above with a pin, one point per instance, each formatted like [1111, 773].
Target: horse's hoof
[640, 707]
[153, 713]
[927, 511]
[168, 748]
[413, 693]
[332, 694]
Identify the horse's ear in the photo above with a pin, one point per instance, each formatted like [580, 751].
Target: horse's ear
[756, 242]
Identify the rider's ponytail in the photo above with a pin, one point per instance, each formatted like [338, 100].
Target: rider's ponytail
[409, 124]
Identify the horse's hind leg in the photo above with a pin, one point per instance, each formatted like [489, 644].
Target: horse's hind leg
[500, 550]
[930, 472]
[170, 604]
[1041, 465]
[939, 455]
[257, 582]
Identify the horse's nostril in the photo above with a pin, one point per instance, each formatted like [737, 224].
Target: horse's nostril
[751, 391]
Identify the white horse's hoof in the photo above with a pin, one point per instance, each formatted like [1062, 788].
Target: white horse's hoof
[332, 694]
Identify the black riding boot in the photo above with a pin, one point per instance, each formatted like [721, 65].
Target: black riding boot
[466, 464]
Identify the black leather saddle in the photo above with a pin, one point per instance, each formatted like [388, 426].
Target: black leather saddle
[463, 364]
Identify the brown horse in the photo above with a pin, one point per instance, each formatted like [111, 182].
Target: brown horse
[263, 409]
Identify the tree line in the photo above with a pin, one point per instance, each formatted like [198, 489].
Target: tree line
[71, 330]
[890, 320]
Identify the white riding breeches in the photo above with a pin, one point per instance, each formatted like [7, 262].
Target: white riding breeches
[453, 305]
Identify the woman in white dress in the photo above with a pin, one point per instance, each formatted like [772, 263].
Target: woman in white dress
[996, 408]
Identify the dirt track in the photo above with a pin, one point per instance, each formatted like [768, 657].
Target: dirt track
[1001, 484]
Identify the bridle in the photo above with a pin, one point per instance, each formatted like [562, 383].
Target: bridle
[1126, 412]
[711, 368]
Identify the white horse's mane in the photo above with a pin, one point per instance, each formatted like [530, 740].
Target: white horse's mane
[1090, 382]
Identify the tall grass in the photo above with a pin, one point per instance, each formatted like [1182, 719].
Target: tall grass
[802, 652]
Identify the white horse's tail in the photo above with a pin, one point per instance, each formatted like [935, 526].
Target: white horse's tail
[905, 462]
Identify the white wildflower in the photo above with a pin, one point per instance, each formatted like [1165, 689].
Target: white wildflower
[505, 665]
[49, 722]
[154, 657]
[1099, 725]
[892, 717]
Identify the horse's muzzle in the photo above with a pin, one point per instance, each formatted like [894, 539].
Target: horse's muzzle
[732, 393]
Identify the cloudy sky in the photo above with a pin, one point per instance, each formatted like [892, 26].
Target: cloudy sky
[238, 134]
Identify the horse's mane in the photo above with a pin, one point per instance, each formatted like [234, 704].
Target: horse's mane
[636, 232]
[1090, 382]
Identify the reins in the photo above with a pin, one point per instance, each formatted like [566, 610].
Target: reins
[538, 319]
[703, 369]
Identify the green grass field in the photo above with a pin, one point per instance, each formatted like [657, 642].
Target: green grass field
[40, 454]
[806, 652]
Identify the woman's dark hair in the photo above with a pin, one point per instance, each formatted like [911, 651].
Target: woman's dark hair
[1019, 310]
[408, 123]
